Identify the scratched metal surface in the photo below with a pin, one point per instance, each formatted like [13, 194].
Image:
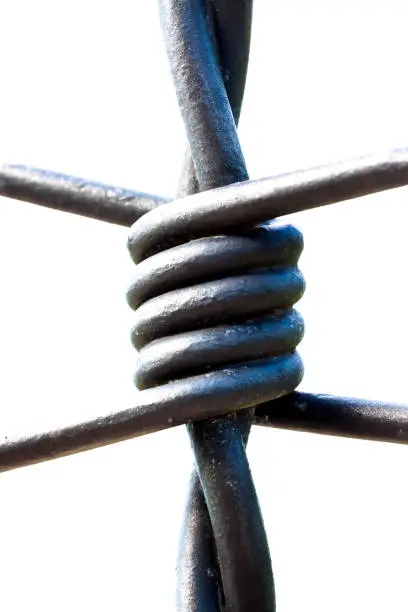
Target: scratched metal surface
[237, 576]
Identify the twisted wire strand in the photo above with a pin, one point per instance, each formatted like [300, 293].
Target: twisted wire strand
[241, 547]
[199, 584]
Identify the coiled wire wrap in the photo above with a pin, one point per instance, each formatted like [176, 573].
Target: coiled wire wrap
[212, 303]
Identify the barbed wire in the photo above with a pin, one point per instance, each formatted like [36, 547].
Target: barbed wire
[215, 282]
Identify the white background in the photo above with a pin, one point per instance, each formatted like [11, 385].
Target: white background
[85, 89]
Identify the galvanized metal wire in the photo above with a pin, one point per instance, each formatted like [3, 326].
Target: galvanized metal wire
[215, 282]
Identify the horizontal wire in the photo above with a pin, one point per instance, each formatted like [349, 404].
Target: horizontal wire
[271, 197]
[336, 416]
[159, 408]
[75, 195]
[241, 205]
[325, 414]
